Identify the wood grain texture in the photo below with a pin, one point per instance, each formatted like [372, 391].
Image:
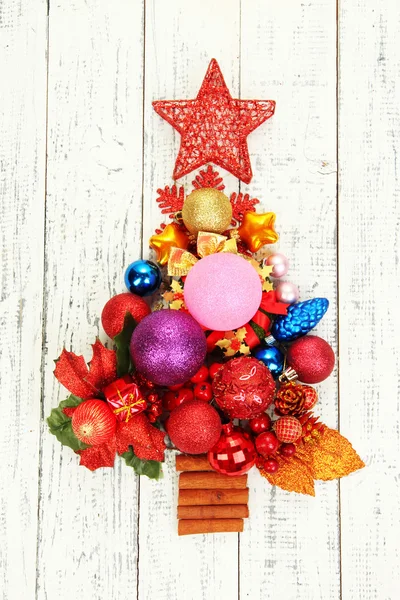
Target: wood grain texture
[369, 216]
[290, 546]
[88, 521]
[23, 43]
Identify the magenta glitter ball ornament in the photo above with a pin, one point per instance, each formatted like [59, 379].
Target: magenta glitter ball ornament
[168, 347]
[223, 291]
[287, 292]
[234, 453]
[279, 262]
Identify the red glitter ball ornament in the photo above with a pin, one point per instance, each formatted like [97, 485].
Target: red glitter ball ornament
[243, 388]
[113, 315]
[93, 422]
[312, 358]
[194, 427]
[214, 126]
[234, 453]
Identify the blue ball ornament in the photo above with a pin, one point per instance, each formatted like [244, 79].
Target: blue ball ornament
[272, 358]
[300, 319]
[143, 278]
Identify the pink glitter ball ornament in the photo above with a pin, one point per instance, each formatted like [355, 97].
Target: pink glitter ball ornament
[223, 291]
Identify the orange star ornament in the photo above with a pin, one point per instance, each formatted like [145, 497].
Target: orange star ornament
[171, 237]
[257, 230]
[214, 126]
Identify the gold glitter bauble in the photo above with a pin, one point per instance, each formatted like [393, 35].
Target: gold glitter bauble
[208, 210]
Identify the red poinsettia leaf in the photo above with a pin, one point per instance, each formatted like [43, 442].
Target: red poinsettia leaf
[147, 441]
[208, 178]
[69, 411]
[103, 366]
[71, 371]
[99, 456]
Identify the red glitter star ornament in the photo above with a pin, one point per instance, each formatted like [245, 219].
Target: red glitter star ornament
[214, 126]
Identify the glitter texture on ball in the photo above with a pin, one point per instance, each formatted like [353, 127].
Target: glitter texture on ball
[114, 311]
[168, 347]
[194, 427]
[223, 291]
[312, 358]
[208, 210]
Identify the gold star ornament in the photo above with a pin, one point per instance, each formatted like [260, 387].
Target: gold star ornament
[171, 237]
[257, 230]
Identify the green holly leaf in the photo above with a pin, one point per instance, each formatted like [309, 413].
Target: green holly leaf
[122, 341]
[151, 468]
[60, 424]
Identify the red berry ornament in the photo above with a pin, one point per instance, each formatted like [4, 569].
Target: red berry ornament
[288, 429]
[213, 369]
[172, 399]
[201, 375]
[267, 443]
[260, 424]
[311, 397]
[234, 453]
[288, 450]
[113, 315]
[194, 427]
[270, 466]
[203, 391]
[312, 358]
[243, 388]
[93, 422]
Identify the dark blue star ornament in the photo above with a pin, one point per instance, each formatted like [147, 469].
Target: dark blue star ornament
[300, 319]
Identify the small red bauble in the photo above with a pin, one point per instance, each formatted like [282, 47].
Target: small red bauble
[234, 453]
[213, 369]
[113, 315]
[267, 443]
[288, 429]
[201, 375]
[194, 427]
[203, 391]
[243, 388]
[93, 422]
[288, 450]
[260, 424]
[270, 466]
[312, 358]
[311, 397]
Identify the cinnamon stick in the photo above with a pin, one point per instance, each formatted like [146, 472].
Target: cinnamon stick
[207, 481]
[207, 497]
[225, 511]
[192, 463]
[192, 526]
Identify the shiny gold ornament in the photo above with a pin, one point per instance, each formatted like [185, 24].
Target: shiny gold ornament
[207, 209]
[257, 230]
[171, 237]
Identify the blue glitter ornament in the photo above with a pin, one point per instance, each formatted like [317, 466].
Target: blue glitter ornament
[142, 278]
[300, 319]
[272, 358]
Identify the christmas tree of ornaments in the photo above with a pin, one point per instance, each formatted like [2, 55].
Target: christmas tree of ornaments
[220, 369]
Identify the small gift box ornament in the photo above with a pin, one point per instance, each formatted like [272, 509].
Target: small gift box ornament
[125, 398]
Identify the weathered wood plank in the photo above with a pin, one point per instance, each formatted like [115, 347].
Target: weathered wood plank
[88, 521]
[181, 39]
[369, 215]
[290, 546]
[23, 43]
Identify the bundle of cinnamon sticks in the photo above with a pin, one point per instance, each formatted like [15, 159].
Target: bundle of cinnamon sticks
[209, 502]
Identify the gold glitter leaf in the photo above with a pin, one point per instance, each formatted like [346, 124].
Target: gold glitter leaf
[293, 475]
[333, 456]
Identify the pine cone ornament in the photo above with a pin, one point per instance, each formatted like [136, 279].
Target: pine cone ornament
[300, 319]
[290, 399]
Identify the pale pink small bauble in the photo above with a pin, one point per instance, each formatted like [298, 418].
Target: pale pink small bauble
[287, 292]
[223, 291]
[280, 264]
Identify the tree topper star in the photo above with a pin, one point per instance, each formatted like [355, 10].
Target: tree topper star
[214, 126]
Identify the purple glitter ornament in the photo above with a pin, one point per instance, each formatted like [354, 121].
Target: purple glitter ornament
[168, 347]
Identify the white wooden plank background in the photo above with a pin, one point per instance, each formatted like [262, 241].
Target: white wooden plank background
[82, 154]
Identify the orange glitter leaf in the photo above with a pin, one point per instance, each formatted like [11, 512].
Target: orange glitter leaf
[333, 456]
[293, 475]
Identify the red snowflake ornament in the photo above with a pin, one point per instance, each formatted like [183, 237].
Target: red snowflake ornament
[214, 126]
[241, 203]
[208, 178]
